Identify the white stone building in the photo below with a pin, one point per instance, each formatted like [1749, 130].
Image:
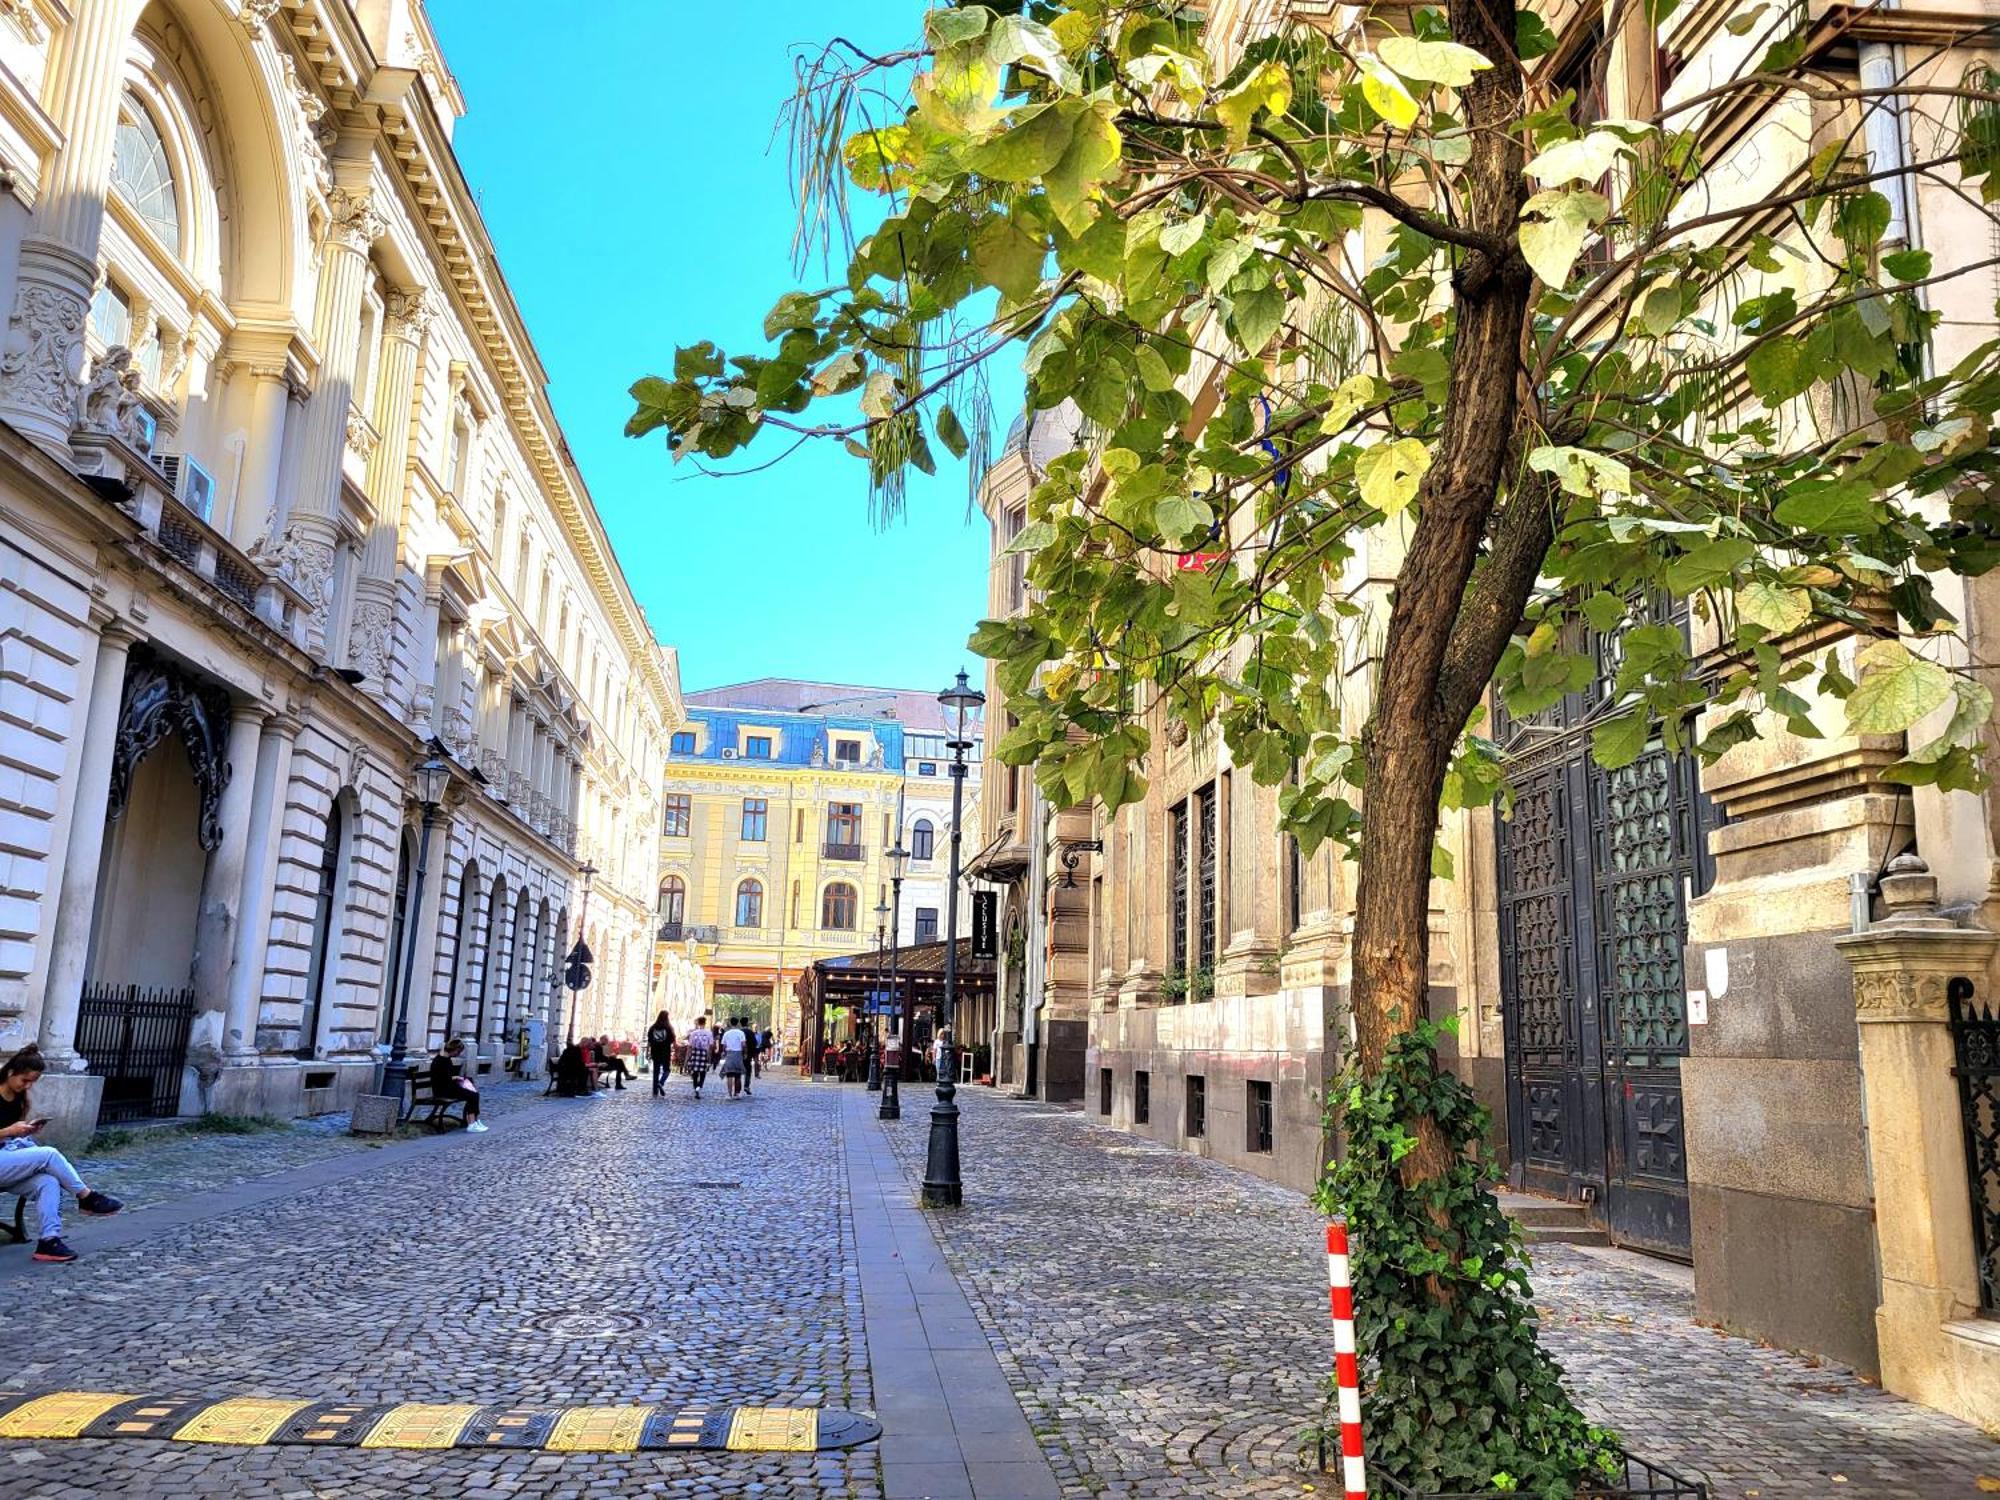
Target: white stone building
[284, 510]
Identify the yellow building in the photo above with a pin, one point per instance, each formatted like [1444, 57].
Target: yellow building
[780, 802]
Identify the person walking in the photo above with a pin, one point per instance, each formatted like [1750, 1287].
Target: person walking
[749, 1050]
[734, 1043]
[660, 1045]
[700, 1048]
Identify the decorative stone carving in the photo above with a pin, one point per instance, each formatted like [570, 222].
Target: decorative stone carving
[1899, 995]
[305, 561]
[42, 364]
[457, 732]
[111, 402]
[160, 700]
[256, 14]
[353, 221]
[409, 314]
[368, 638]
[361, 434]
[27, 20]
[307, 111]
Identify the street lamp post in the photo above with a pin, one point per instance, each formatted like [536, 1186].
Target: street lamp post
[576, 968]
[892, 1078]
[431, 778]
[874, 1008]
[942, 1187]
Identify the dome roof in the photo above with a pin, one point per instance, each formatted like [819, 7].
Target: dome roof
[1017, 436]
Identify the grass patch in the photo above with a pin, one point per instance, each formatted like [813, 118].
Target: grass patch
[110, 1140]
[231, 1125]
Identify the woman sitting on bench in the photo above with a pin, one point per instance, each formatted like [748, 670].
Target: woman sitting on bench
[39, 1172]
[446, 1084]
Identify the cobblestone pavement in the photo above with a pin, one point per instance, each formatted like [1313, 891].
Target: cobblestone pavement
[1163, 1321]
[155, 1165]
[569, 1256]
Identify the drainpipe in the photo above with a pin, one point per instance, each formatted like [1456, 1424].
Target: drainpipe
[1859, 884]
[1882, 131]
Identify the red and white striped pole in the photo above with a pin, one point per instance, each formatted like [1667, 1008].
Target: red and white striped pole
[1346, 1367]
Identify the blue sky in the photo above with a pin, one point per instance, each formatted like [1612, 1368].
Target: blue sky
[624, 157]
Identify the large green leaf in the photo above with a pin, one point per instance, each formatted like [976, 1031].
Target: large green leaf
[1029, 147]
[1389, 473]
[1267, 90]
[1091, 156]
[1554, 226]
[1896, 688]
[1008, 257]
[1584, 159]
[1386, 94]
[1618, 742]
[1772, 607]
[1431, 62]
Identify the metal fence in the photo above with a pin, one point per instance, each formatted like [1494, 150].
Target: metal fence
[1975, 1039]
[135, 1038]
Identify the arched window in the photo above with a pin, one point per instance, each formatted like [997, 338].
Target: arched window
[750, 904]
[673, 900]
[143, 174]
[923, 840]
[837, 908]
[325, 905]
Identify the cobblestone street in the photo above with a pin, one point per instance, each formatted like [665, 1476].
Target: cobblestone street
[1161, 1320]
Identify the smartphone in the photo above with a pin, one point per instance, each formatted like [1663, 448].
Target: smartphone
[36, 1125]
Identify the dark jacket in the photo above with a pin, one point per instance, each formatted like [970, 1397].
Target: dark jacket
[444, 1075]
[660, 1041]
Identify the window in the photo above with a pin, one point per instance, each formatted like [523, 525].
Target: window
[843, 830]
[923, 840]
[679, 814]
[393, 974]
[847, 752]
[1017, 562]
[757, 747]
[1197, 1107]
[1142, 1098]
[1259, 1101]
[142, 174]
[682, 742]
[111, 315]
[1177, 851]
[927, 926]
[755, 810]
[1205, 852]
[673, 901]
[799, 826]
[1104, 1091]
[750, 904]
[837, 909]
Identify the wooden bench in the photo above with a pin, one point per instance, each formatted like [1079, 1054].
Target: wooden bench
[438, 1110]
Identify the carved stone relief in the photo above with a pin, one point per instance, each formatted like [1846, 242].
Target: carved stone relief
[159, 700]
[41, 366]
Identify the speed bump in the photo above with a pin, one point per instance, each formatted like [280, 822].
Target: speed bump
[256, 1421]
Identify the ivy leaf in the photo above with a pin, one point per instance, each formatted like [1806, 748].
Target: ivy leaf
[1027, 149]
[1585, 159]
[1618, 742]
[1773, 608]
[1268, 88]
[1553, 238]
[1448, 63]
[1896, 689]
[1386, 94]
[1389, 473]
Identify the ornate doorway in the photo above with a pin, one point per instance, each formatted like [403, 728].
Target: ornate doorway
[1595, 870]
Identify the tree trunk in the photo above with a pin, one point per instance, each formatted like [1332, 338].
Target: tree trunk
[1414, 726]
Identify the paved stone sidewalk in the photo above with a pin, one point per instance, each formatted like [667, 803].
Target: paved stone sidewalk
[1163, 1320]
[569, 1256]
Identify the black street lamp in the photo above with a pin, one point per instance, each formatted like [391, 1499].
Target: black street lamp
[576, 968]
[942, 1187]
[431, 779]
[875, 1005]
[892, 1078]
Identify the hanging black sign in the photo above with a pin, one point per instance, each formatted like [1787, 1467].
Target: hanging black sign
[985, 924]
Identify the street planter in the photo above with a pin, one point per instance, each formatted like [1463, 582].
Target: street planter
[1643, 1481]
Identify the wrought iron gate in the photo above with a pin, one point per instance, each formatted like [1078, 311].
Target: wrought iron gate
[135, 1038]
[1975, 1035]
[1595, 868]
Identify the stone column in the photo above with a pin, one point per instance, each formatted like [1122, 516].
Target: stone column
[221, 910]
[253, 931]
[42, 365]
[1908, 971]
[305, 549]
[506, 921]
[257, 492]
[387, 483]
[76, 910]
[426, 714]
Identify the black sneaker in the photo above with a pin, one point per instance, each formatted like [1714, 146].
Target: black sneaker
[103, 1205]
[55, 1252]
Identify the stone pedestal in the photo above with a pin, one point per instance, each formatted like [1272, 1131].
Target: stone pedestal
[374, 1114]
[269, 1091]
[1933, 1346]
[70, 1100]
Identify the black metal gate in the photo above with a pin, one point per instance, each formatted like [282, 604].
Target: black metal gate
[1975, 1036]
[1595, 868]
[135, 1038]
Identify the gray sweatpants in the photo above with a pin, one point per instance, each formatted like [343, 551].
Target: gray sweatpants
[43, 1174]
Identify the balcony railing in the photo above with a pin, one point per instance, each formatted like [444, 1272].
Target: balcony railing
[831, 850]
[672, 932]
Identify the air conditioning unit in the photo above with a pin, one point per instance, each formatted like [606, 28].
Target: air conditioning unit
[729, 752]
[191, 484]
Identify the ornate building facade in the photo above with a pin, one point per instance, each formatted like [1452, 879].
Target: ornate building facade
[782, 800]
[1741, 1014]
[284, 511]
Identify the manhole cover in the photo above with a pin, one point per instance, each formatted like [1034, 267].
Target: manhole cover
[588, 1325]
